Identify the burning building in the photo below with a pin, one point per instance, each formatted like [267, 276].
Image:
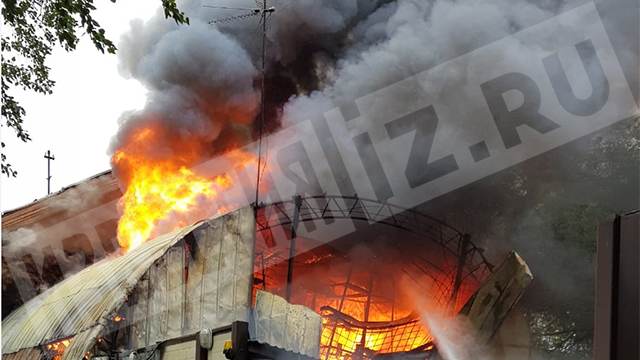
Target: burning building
[273, 282]
[163, 292]
[395, 100]
[329, 277]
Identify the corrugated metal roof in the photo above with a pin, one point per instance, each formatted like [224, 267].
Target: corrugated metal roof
[47, 210]
[26, 354]
[81, 305]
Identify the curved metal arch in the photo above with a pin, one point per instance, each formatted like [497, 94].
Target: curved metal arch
[334, 207]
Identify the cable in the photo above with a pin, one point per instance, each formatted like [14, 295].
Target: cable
[227, 7]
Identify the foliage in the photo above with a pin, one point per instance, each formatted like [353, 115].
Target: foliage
[563, 328]
[557, 335]
[31, 30]
[578, 225]
[548, 209]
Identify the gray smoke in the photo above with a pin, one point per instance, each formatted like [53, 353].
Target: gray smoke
[199, 80]
[201, 77]
[405, 37]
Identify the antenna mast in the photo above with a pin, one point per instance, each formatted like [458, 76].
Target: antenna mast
[263, 11]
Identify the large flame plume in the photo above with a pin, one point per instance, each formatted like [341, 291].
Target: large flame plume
[162, 191]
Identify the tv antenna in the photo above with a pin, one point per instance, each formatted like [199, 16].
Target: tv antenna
[49, 156]
[261, 10]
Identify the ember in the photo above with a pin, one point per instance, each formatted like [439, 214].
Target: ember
[57, 349]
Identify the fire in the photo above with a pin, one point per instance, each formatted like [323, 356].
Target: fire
[157, 191]
[57, 348]
[343, 340]
[162, 192]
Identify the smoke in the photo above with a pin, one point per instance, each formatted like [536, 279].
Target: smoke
[454, 336]
[71, 202]
[18, 240]
[405, 37]
[202, 78]
[200, 81]
[86, 194]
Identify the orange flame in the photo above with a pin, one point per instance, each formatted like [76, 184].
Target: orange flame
[155, 192]
[339, 341]
[162, 192]
[57, 348]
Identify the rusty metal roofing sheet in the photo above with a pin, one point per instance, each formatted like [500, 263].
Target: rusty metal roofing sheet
[26, 354]
[104, 188]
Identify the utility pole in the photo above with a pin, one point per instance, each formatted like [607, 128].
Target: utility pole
[49, 156]
[264, 11]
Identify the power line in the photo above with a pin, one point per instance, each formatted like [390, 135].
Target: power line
[227, 7]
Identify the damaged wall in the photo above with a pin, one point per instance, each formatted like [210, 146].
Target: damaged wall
[196, 277]
[203, 281]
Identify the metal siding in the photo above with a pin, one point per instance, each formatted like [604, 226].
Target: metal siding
[193, 306]
[245, 245]
[81, 343]
[218, 288]
[312, 333]
[181, 351]
[26, 354]
[157, 315]
[211, 235]
[226, 284]
[175, 291]
[228, 268]
[489, 306]
[140, 313]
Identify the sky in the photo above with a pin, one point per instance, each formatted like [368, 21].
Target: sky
[78, 120]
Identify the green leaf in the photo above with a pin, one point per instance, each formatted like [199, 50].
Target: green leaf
[31, 30]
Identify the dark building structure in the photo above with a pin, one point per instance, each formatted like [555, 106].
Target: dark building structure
[617, 323]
